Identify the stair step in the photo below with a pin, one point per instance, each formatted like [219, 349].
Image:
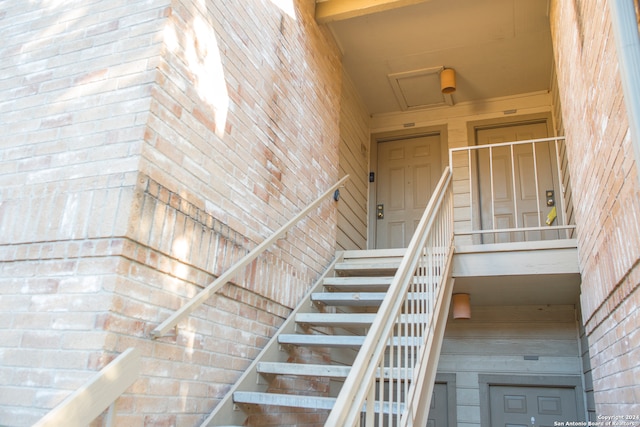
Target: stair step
[330, 371]
[357, 299]
[348, 319]
[289, 400]
[374, 253]
[321, 340]
[336, 319]
[298, 401]
[358, 284]
[303, 369]
[363, 299]
[367, 268]
[338, 340]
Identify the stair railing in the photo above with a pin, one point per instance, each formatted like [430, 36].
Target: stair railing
[236, 268]
[99, 393]
[392, 377]
[485, 214]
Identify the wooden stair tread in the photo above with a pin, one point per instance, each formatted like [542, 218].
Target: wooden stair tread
[300, 401]
[365, 299]
[387, 268]
[318, 340]
[355, 283]
[321, 340]
[289, 400]
[349, 298]
[374, 253]
[317, 370]
[336, 319]
[303, 369]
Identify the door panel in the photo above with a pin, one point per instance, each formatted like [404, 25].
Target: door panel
[519, 406]
[518, 186]
[439, 408]
[396, 198]
[408, 170]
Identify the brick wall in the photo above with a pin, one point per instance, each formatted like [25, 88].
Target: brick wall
[606, 197]
[149, 144]
[75, 90]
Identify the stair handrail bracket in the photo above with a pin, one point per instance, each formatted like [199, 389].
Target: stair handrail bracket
[402, 331]
[224, 278]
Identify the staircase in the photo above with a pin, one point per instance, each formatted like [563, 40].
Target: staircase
[363, 345]
[303, 367]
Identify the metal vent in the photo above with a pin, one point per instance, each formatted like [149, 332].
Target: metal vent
[419, 88]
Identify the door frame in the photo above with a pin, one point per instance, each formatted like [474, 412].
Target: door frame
[449, 380]
[472, 140]
[565, 381]
[380, 137]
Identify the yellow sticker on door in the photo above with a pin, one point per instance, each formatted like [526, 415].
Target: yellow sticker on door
[551, 216]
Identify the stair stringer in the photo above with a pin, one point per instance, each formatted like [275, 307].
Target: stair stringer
[227, 412]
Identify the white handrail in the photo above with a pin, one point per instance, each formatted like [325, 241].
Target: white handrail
[504, 144]
[225, 277]
[89, 401]
[491, 227]
[419, 273]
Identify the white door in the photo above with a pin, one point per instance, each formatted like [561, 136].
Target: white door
[408, 171]
[518, 187]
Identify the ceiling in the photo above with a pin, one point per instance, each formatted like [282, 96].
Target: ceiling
[394, 52]
[529, 289]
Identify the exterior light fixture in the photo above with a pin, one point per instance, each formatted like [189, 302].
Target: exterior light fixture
[448, 81]
[461, 306]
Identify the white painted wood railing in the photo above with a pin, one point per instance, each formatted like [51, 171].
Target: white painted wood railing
[403, 344]
[99, 393]
[228, 275]
[505, 198]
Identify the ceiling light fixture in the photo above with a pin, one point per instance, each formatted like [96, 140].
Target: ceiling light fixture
[448, 80]
[461, 306]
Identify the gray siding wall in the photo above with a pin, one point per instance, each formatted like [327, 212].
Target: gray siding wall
[496, 340]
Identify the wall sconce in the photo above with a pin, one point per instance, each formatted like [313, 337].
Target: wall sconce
[448, 80]
[461, 306]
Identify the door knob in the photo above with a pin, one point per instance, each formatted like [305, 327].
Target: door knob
[380, 211]
[551, 198]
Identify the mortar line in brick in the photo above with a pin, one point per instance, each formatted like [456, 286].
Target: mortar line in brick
[605, 301]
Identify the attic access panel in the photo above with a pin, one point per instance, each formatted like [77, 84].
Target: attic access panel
[419, 88]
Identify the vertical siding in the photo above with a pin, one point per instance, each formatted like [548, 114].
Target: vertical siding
[354, 161]
[495, 341]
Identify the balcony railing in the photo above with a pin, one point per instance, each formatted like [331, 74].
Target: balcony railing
[511, 192]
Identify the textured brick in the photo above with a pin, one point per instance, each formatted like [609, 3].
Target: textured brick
[127, 184]
[606, 192]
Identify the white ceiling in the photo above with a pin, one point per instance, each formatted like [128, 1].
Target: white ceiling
[497, 47]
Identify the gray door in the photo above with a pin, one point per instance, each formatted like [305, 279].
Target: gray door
[439, 409]
[520, 162]
[408, 171]
[520, 406]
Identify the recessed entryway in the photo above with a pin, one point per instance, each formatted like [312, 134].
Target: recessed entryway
[406, 167]
[526, 401]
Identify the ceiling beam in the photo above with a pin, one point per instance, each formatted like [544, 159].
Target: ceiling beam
[337, 10]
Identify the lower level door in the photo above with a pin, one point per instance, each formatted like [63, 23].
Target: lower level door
[439, 409]
[520, 406]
